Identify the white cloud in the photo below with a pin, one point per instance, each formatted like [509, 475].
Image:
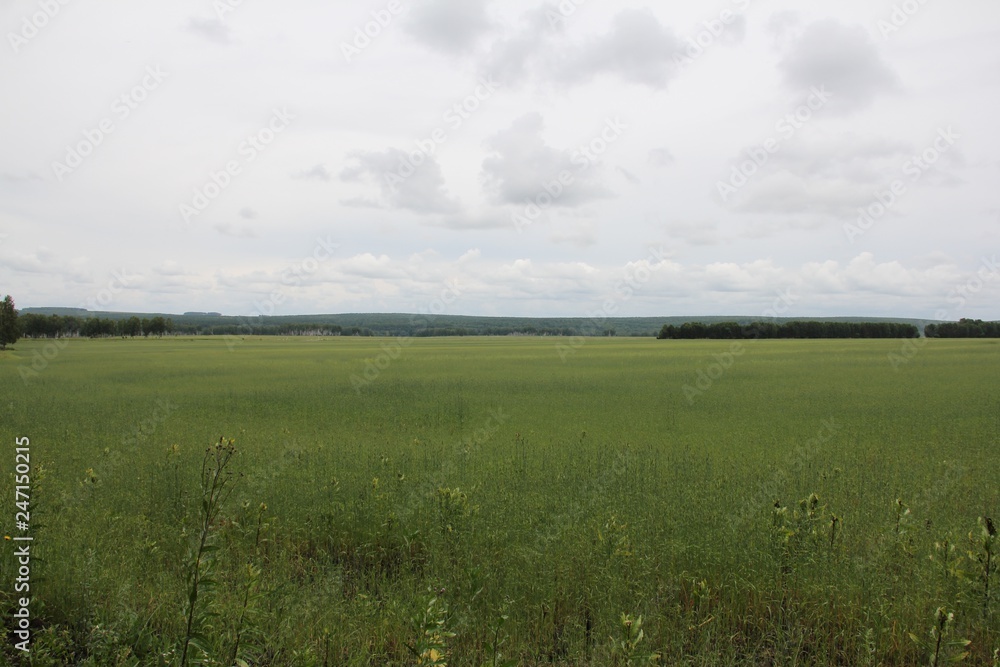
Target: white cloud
[449, 213]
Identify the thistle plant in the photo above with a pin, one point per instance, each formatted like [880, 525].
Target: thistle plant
[498, 641]
[800, 532]
[251, 591]
[454, 513]
[453, 509]
[945, 555]
[903, 527]
[431, 648]
[174, 461]
[626, 650]
[985, 553]
[951, 563]
[942, 650]
[216, 487]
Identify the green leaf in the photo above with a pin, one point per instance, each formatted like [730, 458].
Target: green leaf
[200, 642]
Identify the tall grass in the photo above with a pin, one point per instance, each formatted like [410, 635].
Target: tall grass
[600, 520]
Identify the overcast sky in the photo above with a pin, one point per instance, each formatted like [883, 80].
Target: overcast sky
[502, 158]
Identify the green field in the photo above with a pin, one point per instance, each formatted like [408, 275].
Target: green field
[496, 501]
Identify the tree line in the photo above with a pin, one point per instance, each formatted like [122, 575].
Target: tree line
[33, 325]
[964, 328]
[794, 329]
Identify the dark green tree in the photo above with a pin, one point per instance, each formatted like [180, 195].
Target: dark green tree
[157, 326]
[132, 327]
[10, 330]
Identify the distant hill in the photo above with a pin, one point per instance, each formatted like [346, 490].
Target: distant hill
[402, 324]
[62, 312]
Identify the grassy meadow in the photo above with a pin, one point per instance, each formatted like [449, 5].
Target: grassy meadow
[507, 501]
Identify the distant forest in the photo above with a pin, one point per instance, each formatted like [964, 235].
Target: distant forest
[794, 329]
[963, 329]
[59, 323]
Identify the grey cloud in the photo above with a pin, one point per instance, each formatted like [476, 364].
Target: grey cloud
[234, 231]
[736, 32]
[362, 202]
[638, 48]
[25, 177]
[317, 173]
[696, 234]
[934, 260]
[841, 172]
[791, 194]
[420, 189]
[581, 237]
[629, 176]
[771, 227]
[510, 59]
[474, 221]
[844, 59]
[661, 157]
[213, 30]
[522, 165]
[859, 160]
[783, 26]
[450, 26]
